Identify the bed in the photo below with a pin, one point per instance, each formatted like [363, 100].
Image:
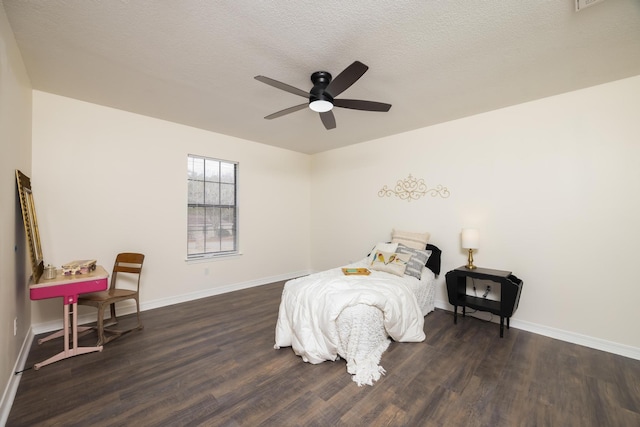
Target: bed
[330, 315]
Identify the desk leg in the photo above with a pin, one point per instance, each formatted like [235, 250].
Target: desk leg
[58, 334]
[69, 351]
[66, 328]
[501, 326]
[455, 314]
[75, 327]
[61, 333]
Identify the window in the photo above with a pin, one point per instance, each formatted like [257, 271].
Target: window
[212, 211]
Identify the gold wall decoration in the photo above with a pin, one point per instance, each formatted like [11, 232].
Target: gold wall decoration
[412, 188]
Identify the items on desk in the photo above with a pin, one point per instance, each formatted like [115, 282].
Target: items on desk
[49, 272]
[79, 267]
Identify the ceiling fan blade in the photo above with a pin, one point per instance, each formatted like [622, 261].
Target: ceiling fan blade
[282, 86]
[346, 78]
[286, 111]
[358, 104]
[328, 120]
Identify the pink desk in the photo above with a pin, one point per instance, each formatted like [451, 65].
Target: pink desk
[69, 287]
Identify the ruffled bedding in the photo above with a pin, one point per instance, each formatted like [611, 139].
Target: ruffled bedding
[328, 315]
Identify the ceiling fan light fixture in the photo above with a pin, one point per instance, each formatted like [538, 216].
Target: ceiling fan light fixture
[321, 106]
[321, 96]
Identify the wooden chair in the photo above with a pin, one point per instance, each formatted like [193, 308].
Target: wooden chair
[128, 266]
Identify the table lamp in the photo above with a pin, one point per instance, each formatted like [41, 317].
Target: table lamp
[470, 239]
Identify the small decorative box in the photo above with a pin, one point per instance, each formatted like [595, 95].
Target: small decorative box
[79, 267]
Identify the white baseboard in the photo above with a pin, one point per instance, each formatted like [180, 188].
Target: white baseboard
[572, 337]
[217, 291]
[12, 385]
[55, 325]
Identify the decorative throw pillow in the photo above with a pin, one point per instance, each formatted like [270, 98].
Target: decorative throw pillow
[385, 247]
[413, 240]
[390, 262]
[417, 262]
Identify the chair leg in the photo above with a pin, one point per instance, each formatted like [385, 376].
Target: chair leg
[140, 325]
[100, 325]
[109, 335]
[113, 320]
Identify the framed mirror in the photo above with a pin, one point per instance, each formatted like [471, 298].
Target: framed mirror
[30, 222]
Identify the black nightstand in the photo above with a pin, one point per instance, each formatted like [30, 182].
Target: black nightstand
[510, 289]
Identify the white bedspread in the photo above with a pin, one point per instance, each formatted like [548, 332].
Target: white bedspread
[310, 306]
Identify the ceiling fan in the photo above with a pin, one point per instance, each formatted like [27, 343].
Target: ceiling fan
[322, 97]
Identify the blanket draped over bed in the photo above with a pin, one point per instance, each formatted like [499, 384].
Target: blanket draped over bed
[310, 307]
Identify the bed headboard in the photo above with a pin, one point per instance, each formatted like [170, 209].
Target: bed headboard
[433, 263]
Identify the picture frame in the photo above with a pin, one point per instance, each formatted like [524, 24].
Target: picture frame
[30, 222]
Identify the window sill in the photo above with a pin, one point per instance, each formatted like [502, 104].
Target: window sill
[212, 258]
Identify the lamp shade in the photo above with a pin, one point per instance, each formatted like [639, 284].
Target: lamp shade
[470, 238]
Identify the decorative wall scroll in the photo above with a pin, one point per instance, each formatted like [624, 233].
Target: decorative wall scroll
[412, 188]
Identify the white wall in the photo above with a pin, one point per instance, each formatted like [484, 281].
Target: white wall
[553, 187]
[108, 181]
[15, 149]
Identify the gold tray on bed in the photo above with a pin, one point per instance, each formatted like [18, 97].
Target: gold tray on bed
[356, 271]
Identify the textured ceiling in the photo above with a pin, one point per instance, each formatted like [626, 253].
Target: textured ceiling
[193, 62]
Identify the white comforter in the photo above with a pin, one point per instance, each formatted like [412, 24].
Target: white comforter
[311, 305]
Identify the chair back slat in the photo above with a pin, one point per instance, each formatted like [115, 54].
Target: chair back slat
[130, 258]
[127, 262]
[127, 269]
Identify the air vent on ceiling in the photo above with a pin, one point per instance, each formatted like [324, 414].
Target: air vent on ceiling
[581, 4]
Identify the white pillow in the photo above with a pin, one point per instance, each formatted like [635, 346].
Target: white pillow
[413, 240]
[390, 262]
[384, 247]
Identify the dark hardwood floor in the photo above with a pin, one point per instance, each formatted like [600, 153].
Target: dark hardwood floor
[211, 362]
